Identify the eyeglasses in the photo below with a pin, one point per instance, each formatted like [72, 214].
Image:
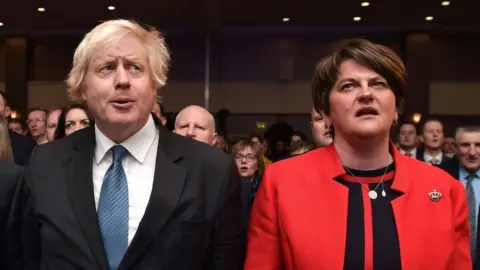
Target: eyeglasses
[36, 120]
[249, 157]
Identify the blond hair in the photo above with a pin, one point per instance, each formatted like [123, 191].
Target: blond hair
[6, 151]
[108, 33]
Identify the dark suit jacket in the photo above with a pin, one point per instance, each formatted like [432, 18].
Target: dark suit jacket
[10, 176]
[453, 168]
[301, 224]
[193, 219]
[421, 152]
[22, 147]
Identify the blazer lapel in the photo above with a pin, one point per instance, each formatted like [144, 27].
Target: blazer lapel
[168, 183]
[80, 189]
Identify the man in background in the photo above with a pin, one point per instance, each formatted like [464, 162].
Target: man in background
[407, 140]
[320, 132]
[197, 123]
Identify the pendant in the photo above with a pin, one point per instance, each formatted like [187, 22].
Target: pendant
[372, 194]
[384, 194]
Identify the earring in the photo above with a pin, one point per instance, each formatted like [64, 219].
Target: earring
[395, 122]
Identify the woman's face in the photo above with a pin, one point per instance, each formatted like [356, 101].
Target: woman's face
[75, 119]
[362, 103]
[247, 162]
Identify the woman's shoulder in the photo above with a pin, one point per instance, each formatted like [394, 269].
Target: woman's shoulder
[422, 173]
[299, 162]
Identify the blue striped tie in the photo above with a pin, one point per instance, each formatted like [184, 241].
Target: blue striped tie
[113, 209]
[472, 217]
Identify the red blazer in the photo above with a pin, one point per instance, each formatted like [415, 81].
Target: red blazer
[299, 218]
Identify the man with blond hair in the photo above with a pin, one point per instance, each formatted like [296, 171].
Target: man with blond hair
[126, 193]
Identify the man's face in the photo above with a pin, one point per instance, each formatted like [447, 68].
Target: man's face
[52, 122]
[16, 127]
[119, 88]
[158, 112]
[433, 135]
[407, 138]
[36, 123]
[468, 150]
[195, 123]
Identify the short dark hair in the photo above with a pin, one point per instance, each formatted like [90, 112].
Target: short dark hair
[373, 56]
[18, 121]
[408, 123]
[467, 129]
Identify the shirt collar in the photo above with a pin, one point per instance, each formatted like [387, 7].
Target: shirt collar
[137, 145]
[464, 174]
[429, 158]
[412, 152]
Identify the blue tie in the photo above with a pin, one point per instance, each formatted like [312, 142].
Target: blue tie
[113, 209]
[472, 217]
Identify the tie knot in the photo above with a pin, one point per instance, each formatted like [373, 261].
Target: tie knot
[434, 161]
[118, 152]
[470, 177]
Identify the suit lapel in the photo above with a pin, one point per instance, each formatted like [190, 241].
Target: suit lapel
[80, 189]
[168, 183]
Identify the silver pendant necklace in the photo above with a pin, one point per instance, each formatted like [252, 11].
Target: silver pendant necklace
[372, 193]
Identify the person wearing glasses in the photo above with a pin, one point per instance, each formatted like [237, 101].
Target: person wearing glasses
[248, 157]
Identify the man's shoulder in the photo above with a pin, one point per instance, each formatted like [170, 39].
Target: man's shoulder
[200, 151]
[21, 139]
[9, 168]
[79, 138]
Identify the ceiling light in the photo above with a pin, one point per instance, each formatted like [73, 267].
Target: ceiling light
[1, 23]
[111, 8]
[445, 3]
[41, 9]
[365, 4]
[357, 19]
[429, 18]
[285, 19]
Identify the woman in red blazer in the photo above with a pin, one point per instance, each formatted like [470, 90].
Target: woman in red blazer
[358, 203]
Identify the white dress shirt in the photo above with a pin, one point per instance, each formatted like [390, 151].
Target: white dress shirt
[139, 166]
[428, 159]
[412, 152]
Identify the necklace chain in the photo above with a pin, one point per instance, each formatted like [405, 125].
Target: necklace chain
[372, 193]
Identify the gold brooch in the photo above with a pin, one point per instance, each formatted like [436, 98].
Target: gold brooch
[435, 195]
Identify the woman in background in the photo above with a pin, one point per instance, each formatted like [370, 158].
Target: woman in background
[6, 151]
[71, 119]
[248, 157]
[358, 203]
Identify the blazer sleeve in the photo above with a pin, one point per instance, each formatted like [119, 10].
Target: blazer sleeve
[30, 229]
[461, 258]
[228, 250]
[263, 247]
[11, 248]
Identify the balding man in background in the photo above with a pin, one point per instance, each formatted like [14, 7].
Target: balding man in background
[197, 123]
